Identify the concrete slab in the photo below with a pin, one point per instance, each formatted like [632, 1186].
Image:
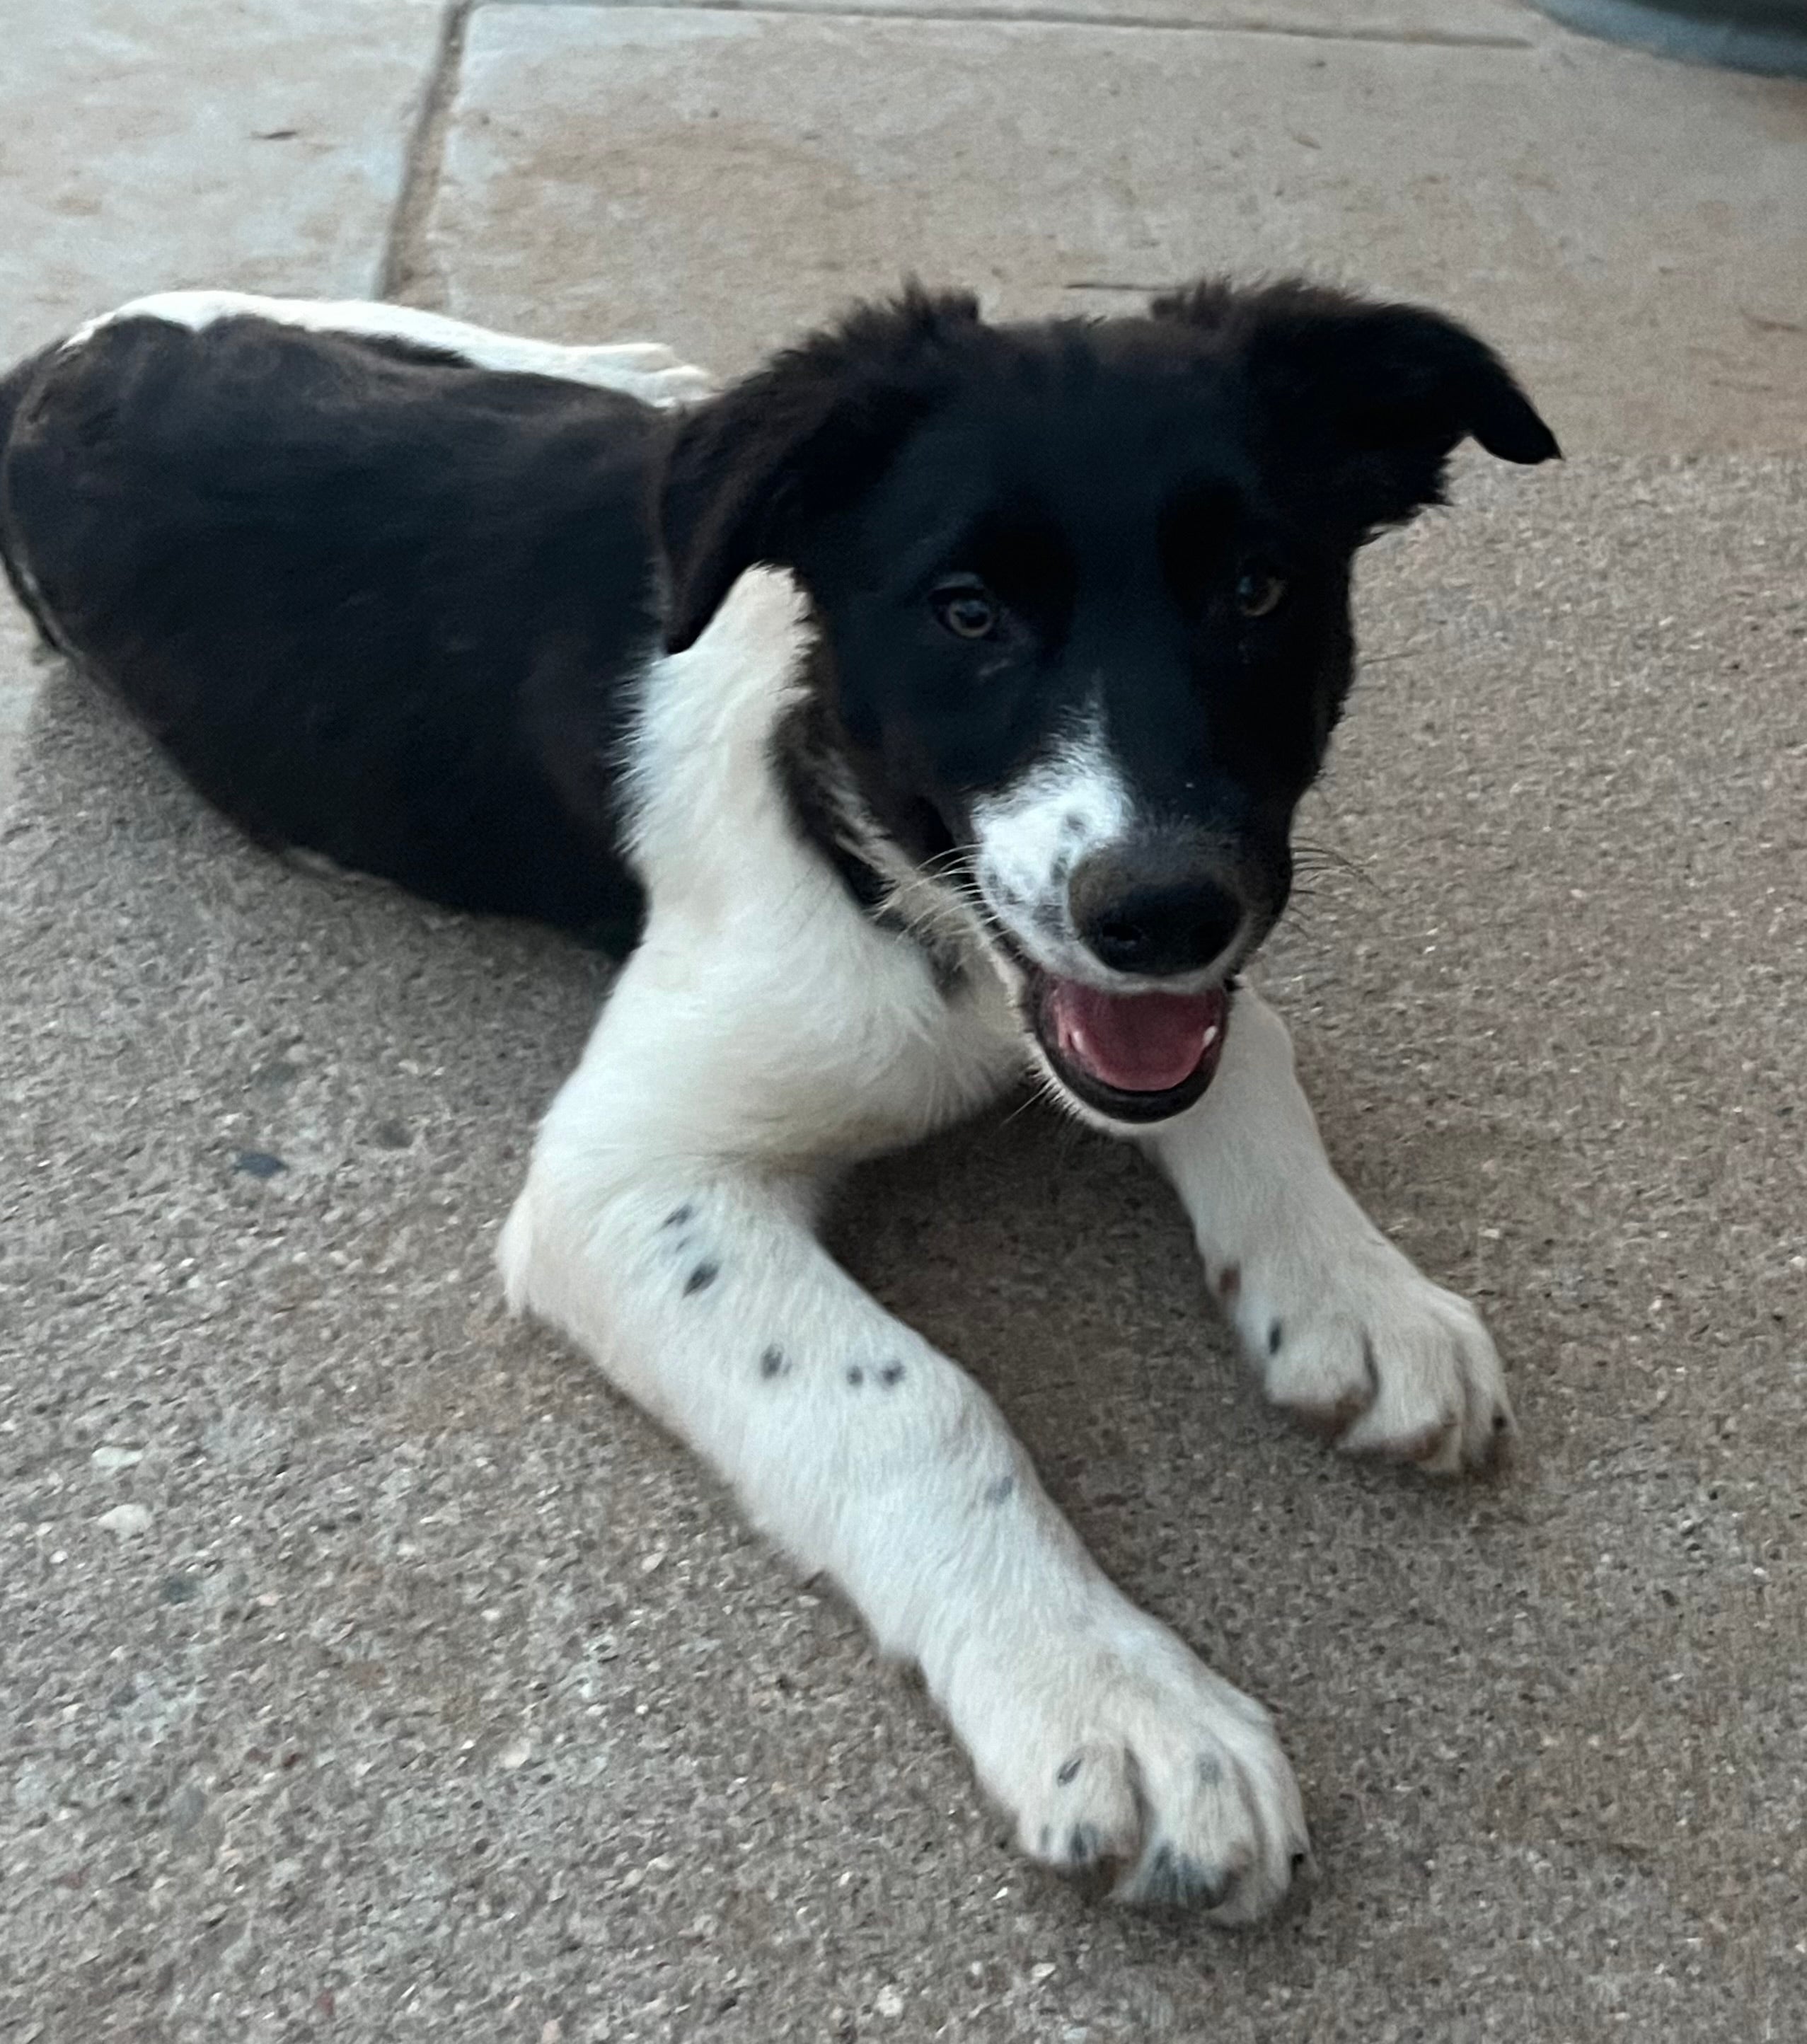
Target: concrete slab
[261, 144]
[370, 1671]
[1633, 233]
[20, 661]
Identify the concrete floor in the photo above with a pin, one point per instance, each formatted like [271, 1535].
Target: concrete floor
[371, 1672]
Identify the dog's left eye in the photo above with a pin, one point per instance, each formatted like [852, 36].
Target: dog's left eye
[966, 607]
[1260, 592]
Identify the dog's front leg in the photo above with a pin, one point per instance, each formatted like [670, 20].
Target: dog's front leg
[1347, 1332]
[687, 1267]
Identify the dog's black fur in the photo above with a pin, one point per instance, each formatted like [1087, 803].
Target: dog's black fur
[395, 610]
[378, 605]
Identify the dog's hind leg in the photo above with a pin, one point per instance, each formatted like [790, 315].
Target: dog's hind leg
[666, 1232]
[1347, 1332]
[646, 369]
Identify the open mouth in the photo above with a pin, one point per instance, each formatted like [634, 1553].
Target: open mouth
[1134, 1057]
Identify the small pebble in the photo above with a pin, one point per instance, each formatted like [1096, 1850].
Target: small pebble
[515, 1756]
[116, 1458]
[889, 2003]
[125, 1519]
[258, 1164]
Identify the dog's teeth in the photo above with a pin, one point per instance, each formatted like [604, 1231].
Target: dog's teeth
[1209, 1038]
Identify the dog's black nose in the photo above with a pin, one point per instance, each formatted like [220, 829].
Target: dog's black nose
[1155, 915]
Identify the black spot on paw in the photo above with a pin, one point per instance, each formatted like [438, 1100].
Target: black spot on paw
[1000, 1492]
[1275, 1335]
[856, 1377]
[1069, 1770]
[774, 1362]
[1210, 1769]
[891, 1375]
[1159, 1883]
[701, 1278]
[1173, 1880]
[677, 1217]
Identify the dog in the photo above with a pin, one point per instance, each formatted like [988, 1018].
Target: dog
[926, 711]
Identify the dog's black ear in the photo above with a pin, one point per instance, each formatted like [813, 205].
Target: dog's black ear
[1372, 398]
[796, 441]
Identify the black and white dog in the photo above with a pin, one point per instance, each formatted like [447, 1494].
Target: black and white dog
[927, 709]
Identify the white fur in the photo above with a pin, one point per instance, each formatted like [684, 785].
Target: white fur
[642, 369]
[1346, 1332]
[764, 1033]
[1028, 838]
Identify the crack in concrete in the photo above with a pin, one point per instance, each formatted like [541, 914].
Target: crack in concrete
[407, 272]
[1060, 17]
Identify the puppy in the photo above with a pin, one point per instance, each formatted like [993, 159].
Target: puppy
[927, 709]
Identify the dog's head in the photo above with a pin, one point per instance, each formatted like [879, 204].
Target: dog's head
[1081, 592]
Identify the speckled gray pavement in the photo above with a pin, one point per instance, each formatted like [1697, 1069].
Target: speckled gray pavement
[368, 1671]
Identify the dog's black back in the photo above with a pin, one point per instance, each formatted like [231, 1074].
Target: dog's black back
[378, 605]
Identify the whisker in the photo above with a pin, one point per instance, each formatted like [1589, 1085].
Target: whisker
[949, 861]
[1317, 859]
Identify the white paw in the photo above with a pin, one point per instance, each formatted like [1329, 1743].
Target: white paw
[1361, 1346]
[649, 370]
[647, 355]
[1114, 1747]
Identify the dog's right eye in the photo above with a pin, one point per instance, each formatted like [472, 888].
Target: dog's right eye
[966, 607]
[1260, 592]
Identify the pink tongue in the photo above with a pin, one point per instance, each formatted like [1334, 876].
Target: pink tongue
[1138, 1042]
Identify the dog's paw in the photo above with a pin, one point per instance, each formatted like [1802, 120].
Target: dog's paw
[1363, 1346]
[1116, 1751]
[649, 370]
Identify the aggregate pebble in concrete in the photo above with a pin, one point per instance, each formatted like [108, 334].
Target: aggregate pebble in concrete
[439, 1696]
